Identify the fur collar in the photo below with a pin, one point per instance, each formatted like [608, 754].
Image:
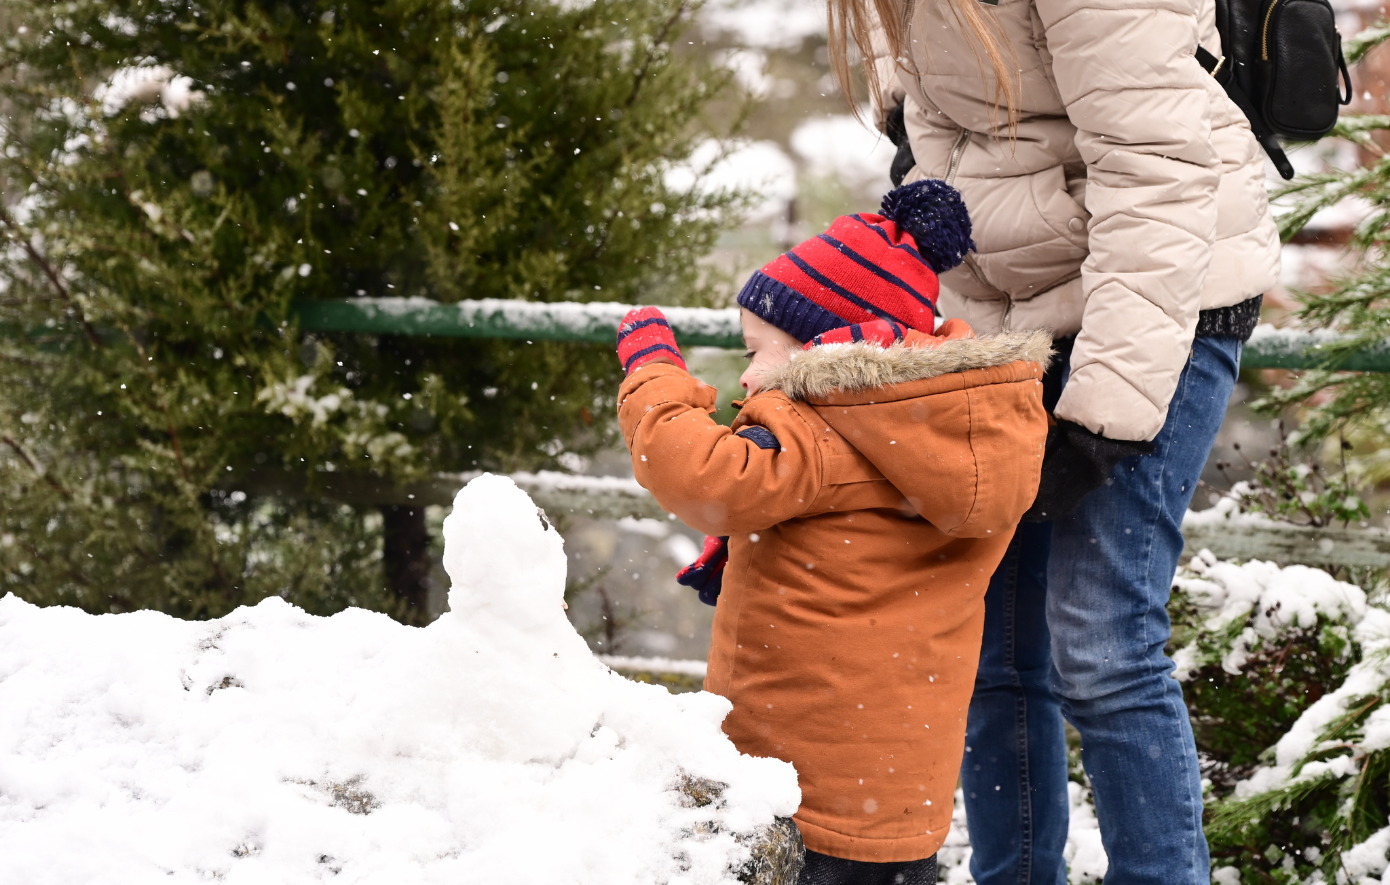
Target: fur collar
[815, 373]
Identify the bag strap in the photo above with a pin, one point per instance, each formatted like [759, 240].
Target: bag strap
[1346, 76]
[1212, 65]
[1217, 68]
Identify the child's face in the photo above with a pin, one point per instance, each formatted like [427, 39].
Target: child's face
[768, 348]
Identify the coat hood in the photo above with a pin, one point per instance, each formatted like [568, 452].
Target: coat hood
[816, 373]
[958, 428]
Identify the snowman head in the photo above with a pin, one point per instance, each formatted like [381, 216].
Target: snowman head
[504, 558]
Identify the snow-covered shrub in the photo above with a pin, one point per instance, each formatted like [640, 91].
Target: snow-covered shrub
[1289, 487]
[1285, 671]
[275, 746]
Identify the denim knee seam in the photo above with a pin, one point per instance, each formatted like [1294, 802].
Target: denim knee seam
[1177, 709]
[1015, 779]
[1025, 807]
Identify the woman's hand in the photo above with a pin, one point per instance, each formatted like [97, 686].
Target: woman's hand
[1075, 464]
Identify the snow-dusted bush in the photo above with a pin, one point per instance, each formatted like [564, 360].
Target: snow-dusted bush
[1285, 672]
[275, 746]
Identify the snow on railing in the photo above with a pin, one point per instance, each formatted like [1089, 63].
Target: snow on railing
[596, 322]
[502, 318]
[1229, 536]
[1247, 536]
[559, 494]
[1275, 348]
[623, 663]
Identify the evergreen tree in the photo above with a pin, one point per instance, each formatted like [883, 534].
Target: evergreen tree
[180, 173]
[1357, 302]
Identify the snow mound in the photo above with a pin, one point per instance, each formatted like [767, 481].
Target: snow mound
[275, 746]
[1255, 603]
[1253, 606]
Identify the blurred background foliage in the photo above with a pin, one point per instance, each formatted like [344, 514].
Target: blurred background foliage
[178, 174]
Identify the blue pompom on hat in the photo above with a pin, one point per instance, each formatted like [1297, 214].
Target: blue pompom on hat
[933, 212]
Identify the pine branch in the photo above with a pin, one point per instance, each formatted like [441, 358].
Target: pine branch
[1356, 48]
[1327, 189]
[1229, 818]
[1357, 128]
[653, 54]
[48, 270]
[34, 466]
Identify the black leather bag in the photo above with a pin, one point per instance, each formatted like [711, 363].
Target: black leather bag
[1282, 67]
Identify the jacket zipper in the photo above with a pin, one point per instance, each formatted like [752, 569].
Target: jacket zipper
[958, 151]
[952, 167]
[1264, 33]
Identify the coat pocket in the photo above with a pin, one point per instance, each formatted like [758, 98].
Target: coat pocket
[1031, 235]
[849, 467]
[1058, 208]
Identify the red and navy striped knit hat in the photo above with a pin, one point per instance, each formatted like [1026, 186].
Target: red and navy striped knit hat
[867, 267]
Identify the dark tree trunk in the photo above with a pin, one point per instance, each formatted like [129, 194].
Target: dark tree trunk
[406, 557]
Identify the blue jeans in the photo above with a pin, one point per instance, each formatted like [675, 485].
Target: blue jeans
[1076, 623]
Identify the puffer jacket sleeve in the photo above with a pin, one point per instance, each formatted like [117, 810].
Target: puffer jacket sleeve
[712, 478]
[1126, 73]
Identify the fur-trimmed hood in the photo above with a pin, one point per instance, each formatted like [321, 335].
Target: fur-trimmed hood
[816, 373]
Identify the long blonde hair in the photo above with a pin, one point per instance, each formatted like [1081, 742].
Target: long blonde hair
[856, 21]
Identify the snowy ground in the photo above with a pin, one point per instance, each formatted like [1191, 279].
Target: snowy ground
[1086, 861]
[274, 746]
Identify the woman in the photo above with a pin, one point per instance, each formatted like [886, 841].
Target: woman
[1118, 201]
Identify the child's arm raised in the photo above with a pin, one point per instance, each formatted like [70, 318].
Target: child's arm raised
[714, 479]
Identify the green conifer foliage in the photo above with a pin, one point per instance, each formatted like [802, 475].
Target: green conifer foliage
[179, 173]
[1357, 302]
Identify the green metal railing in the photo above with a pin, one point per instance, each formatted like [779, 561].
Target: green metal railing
[597, 322]
[498, 318]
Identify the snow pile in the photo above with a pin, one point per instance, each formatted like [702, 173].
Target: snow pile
[759, 167]
[1281, 599]
[274, 746]
[148, 86]
[839, 146]
[764, 24]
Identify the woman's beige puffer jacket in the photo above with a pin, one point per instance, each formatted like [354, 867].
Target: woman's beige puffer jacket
[1132, 197]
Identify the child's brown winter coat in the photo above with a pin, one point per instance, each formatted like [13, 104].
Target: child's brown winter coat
[865, 520]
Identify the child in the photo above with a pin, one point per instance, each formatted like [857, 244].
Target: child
[868, 489]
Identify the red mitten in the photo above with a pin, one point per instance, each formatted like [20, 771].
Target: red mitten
[644, 335]
[706, 574]
[884, 333]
